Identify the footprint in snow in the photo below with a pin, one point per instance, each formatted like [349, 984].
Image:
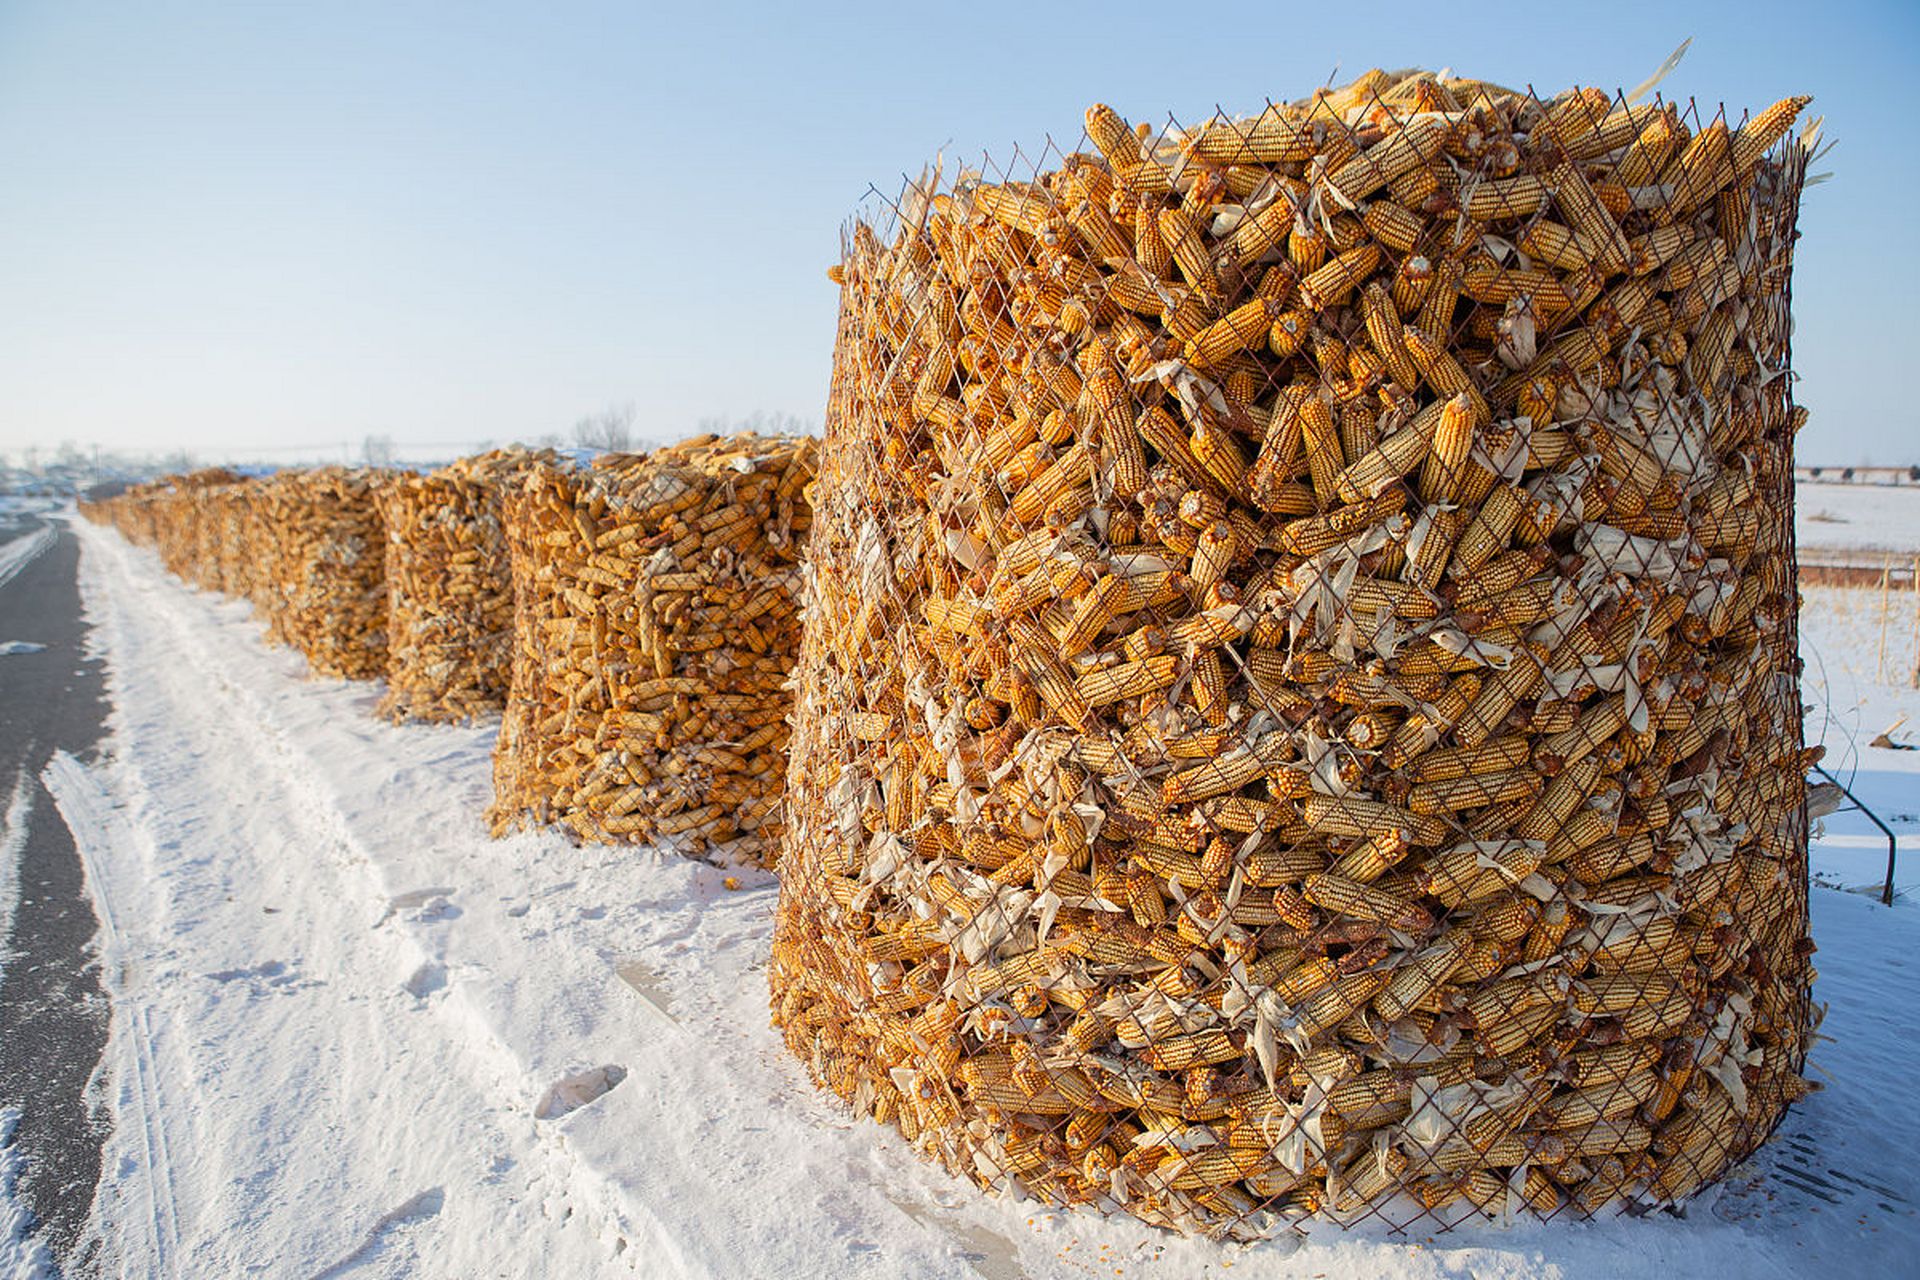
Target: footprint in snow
[427, 979]
[572, 1092]
[397, 1222]
[270, 975]
[423, 905]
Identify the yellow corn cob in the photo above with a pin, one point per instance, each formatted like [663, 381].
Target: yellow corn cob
[1446, 459]
[1186, 240]
[1595, 138]
[1604, 1101]
[1275, 136]
[1474, 792]
[1111, 134]
[1421, 977]
[1321, 439]
[1372, 858]
[1368, 1178]
[1517, 1031]
[1412, 280]
[1506, 199]
[1556, 245]
[1597, 724]
[1367, 476]
[1500, 694]
[1239, 330]
[1428, 560]
[1337, 1003]
[1364, 902]
[1393, 225]
[1765, 129]
[1556, 805]
[1488, 530]
[1384, 330]
[1655, 1018]
[1332, 284]
[1264, 232]
[1589, 218]
[1411, 148]
[1128, 680]
[1697, 173]
[1651, 151]
[1508, 917]
[1461, 875]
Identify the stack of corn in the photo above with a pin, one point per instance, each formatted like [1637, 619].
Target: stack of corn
[1299, 704]
[237, 540]
[450, 587]
[324, 568]
[655, 625]
[184, 530]
[133, 512]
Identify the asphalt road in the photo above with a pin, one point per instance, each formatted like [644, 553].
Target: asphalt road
[53, 1015]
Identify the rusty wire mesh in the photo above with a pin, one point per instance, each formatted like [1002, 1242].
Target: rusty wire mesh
[450, 587]
[656, 622]
[1299, 706]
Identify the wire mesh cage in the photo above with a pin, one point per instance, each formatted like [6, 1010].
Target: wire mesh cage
[325, 562]
[450, 587]
[1298, 713]
[175, 517]
[656, 623]
[304, 546]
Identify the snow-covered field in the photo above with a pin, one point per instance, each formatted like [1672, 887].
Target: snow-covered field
[352, 1036]
[1857, 517]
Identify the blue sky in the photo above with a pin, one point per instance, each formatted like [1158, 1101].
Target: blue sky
[260, 226]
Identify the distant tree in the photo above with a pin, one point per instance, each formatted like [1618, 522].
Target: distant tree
[377, 451]
[777, 423]
[610, 430]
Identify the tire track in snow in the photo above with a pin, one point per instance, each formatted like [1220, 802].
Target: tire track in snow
[13, 840]
[247, 727]
[24, 550]
[88, 811]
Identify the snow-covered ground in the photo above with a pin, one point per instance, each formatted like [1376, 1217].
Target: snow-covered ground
[1857, 517]
[352, 1036]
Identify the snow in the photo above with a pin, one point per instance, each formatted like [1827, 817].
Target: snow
[1857, 517]
[23, 551]
[20, 1258]
[13, 648]
[353, 1036]
[1855, 692]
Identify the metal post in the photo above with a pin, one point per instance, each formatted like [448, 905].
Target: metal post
[1893, 845]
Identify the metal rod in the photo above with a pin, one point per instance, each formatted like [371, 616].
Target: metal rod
[1893, 845]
